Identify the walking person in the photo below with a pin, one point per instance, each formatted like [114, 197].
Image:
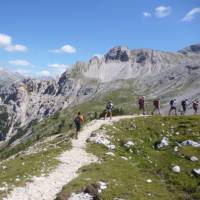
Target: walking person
[141, 104]
[79, 120]
[184, 104]
[156, 104]
[172, 104]
[109, 108]
[195, 106]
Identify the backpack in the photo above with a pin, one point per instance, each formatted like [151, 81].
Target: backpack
[141, 101]
[195, 105]
[108, 106]
[171, 102]
[77, 120]
[183, 103]
[156, 103]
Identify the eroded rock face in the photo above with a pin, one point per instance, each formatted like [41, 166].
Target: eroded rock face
[191, 49]
[118, 54]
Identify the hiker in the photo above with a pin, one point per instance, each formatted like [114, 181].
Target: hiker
[141, 104]
[109, 108]
[172, 104]
[79, 120]
[156, 104]
[184, 104]
[195, 106]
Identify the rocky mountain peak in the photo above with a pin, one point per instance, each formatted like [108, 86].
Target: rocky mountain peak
[119, 53]
[8, 78]
[95, 60]
[195, 48]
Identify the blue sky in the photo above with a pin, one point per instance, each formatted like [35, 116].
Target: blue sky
[41, 37]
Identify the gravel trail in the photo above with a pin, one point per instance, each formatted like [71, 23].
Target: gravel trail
[46, 188]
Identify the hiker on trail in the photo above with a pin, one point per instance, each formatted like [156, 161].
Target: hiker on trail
[195, 106]
[141, 104]
[184, 104]
[109, 108]
[79, 120]
[172, 104]
[156, 104]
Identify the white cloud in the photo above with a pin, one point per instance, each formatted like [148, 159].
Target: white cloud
[19, 62]
[65, 49]
[7, 45]
[44, 73]
[58, 69]
[146, 14]
[163, 11]
[17, 47]
[5, 40]
[56, 65]
[191, 15]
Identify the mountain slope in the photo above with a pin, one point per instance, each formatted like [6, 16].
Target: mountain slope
[136, 168]
[144, 71]
[8, 78]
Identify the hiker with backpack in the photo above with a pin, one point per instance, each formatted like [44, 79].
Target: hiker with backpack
[184, 104]
[195, 106]
[156, 104]
[79, 120]
[172, 104]
[109, 108]
[141, 104]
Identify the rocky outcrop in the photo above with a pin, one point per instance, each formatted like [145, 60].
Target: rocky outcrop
[191, 49]
[119, 53]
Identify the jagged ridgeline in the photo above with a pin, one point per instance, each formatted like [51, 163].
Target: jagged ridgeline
[120, 75]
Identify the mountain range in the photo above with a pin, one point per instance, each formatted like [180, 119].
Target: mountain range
[146, 72]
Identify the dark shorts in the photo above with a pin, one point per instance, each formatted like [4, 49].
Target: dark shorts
[173, 108]
[78, 127]
[109, 111]
[141, 107]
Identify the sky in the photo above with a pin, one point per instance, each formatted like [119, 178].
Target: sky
[44, 37]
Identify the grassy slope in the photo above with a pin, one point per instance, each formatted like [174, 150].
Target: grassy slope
[127, 179]
[17, 171]
[60, 123]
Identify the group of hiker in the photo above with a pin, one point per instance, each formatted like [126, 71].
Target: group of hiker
[79, 119]
[173, 107]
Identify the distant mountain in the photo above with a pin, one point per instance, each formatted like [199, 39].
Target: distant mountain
[149, 72]
[8, 78]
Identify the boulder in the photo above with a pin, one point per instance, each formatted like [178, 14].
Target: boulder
[194, 158]
[176, 169]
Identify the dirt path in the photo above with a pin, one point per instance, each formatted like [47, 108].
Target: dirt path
[46, 188]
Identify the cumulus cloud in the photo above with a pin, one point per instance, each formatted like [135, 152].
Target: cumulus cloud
[146, 14]
[163, 11]
[17, 47]
[5, 40]
[19, 62]
[44, 73]
[65, 49]
[191, 15]
[56, 65]
[7, 45]
[58, 69]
